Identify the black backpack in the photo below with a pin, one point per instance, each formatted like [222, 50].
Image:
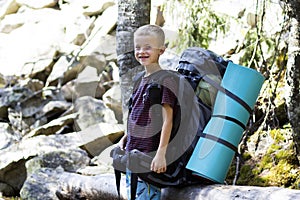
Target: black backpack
[196, 76]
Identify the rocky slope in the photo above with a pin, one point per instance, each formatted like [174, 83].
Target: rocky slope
[60, 104]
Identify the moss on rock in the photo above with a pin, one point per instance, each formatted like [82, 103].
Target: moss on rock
[277, 167]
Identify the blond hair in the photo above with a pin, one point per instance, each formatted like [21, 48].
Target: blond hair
[152, 30]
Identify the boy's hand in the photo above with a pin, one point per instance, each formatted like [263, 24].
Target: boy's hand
[122, 142]
[159, 164]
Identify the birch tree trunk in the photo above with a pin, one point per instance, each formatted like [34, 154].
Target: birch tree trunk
[293, 71]
[131, 15]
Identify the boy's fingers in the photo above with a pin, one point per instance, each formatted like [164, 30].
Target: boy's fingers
[152, 168]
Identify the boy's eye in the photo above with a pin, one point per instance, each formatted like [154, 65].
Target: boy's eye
[145, 48]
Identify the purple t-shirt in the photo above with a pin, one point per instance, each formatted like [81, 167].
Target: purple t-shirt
[145, 120]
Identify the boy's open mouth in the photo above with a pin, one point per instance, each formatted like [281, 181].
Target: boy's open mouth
[143, 57]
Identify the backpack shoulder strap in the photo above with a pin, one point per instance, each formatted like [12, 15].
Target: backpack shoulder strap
[157, 79]
[137, 79]
[159, 76]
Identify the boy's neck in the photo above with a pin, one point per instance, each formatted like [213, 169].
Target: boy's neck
[150, 69]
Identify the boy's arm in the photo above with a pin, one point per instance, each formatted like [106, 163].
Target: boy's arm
[122, 142]
[159, 164]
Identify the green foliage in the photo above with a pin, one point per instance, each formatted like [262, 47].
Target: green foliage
[260, 51]
[200, 24]
[250, 43]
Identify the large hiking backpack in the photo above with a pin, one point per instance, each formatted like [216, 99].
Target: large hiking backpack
[198, 77]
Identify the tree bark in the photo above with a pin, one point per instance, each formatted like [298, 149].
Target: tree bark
[131, 15]
[293, 71]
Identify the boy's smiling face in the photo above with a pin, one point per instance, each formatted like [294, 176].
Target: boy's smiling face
[147, 49]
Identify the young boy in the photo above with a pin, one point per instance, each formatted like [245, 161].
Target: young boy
[144, 132]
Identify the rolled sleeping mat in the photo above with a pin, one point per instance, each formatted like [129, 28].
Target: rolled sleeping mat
[218, 143]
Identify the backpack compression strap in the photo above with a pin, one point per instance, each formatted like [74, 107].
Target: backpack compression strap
[219, 140]
[118, 180]
[237, 99]
[133, 185]
[227, 92]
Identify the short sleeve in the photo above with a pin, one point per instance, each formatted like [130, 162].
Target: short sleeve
[169, 91]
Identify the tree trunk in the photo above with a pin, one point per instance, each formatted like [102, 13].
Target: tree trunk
[293, 71]
[131, 15]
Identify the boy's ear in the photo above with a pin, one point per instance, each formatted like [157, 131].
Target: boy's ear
[162, 50]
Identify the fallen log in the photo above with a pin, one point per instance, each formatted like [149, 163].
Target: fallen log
[196, 192]
[64, 185]
[230, 192]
